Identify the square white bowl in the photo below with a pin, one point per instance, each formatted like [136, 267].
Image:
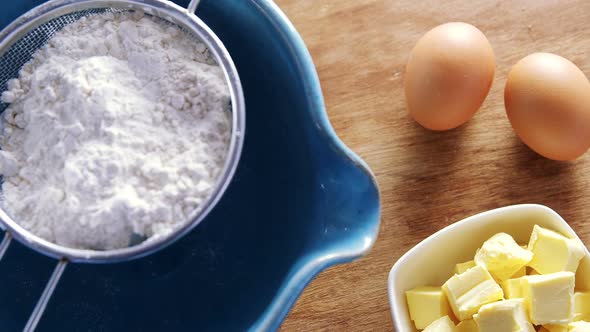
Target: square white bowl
[431, 262]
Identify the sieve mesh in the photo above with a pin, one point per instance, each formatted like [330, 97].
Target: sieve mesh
[23, 49]
[25, 36]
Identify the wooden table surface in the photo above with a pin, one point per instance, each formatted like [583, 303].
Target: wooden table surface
[429, 180]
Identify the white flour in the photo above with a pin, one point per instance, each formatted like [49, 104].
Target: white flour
[118, 126]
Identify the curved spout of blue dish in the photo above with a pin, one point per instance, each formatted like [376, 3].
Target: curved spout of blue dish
[344, 222]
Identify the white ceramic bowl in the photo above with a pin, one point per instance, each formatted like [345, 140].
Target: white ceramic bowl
[431, 262]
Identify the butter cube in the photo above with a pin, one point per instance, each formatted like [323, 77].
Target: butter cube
[580, 326]
[581, 306]
[462, 267]
[502, 256]
[468, 325]
[503, 316]
[574, 326]
[549, 297]
[512, 288]
[426, 305]
[443, 324]
[556, 328]
[468, 291]
[521, 272]
[554, 252]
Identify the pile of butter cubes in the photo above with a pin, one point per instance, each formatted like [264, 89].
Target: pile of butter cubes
[509, 288]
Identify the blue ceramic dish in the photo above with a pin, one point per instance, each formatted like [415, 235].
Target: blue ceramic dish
[300, 202]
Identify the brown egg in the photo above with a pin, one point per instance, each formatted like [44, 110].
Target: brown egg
[547, 101]
[448, 75]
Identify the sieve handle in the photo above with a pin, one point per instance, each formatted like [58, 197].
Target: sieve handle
[44, 299]
[4, 244]
[192, 6]
[47, 292]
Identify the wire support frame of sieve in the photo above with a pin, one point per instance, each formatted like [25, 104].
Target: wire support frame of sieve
[25, 35]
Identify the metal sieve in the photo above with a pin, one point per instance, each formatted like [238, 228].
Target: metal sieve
[20, 40]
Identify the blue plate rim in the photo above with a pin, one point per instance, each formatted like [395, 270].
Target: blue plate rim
[312, 264]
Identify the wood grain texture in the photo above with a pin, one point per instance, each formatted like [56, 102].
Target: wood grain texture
[428, 179]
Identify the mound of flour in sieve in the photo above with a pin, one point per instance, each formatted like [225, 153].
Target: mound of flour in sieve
[118, 127]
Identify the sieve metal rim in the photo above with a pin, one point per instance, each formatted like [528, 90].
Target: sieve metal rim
[170, 12]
